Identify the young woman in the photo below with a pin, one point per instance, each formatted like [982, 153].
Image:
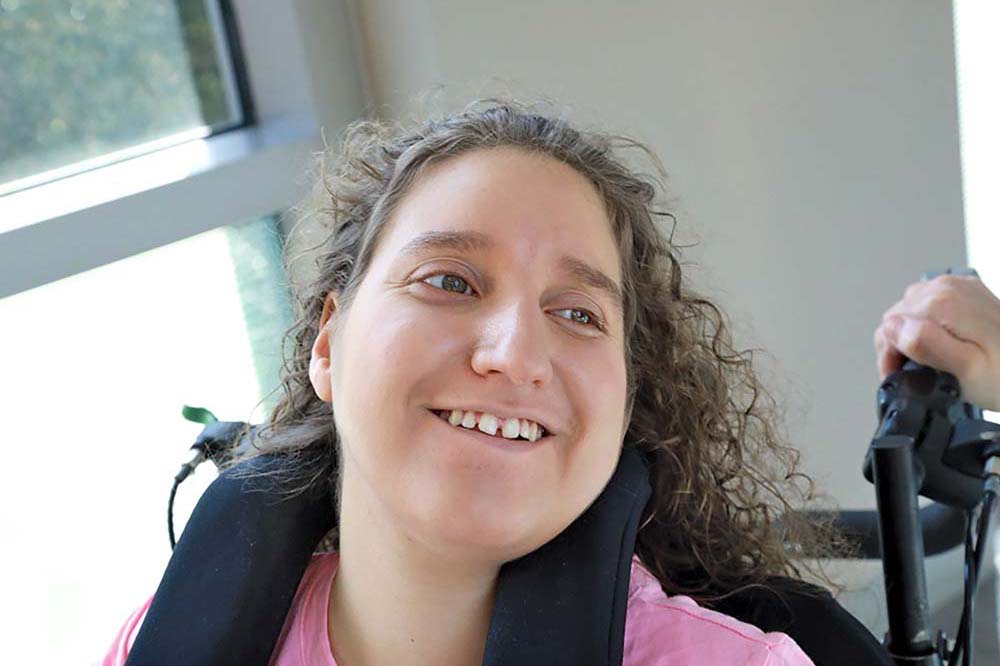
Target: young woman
[495, 316]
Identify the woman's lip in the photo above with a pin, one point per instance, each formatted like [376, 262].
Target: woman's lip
[512, 445]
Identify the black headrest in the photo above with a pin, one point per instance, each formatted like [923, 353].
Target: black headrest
[232, 577]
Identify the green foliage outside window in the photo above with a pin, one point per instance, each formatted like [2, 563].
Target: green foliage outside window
[81, 78]
[256, 250]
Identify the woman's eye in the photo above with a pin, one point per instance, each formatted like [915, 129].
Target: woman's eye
[450, 282]
[583, 317]
[458, 285]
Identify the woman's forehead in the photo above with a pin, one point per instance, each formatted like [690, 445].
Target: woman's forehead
[505, 201]
[489, 174]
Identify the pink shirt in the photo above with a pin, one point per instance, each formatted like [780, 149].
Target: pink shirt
[659, 630]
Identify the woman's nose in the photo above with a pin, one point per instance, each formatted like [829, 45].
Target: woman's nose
[513, 342]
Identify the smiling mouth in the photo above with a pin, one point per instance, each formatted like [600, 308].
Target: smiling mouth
[443, 415]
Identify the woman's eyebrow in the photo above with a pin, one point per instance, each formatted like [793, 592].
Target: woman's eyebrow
[592, 277]
[471, 241]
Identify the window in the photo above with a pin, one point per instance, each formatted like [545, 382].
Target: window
[90, 82]
[69, 258]
[96, 372]
[976, 56]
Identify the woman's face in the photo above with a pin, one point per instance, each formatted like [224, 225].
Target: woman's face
[503, 317]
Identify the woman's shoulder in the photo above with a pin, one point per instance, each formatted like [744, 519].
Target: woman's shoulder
[309, 596]
[303, 638]
[676, 630]
[314, 586]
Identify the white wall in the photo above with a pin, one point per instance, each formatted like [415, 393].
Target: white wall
[812, 147]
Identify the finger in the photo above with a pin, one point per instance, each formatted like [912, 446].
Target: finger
[887, 358]
[956, 303]
[928, 343]
[960, 304]
[915, 300]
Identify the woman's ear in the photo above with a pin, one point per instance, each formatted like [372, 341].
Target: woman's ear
[319, 363]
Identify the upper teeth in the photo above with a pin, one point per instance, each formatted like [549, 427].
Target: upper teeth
[489, 424]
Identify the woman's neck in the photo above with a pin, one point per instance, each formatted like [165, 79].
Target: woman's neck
[394, 602]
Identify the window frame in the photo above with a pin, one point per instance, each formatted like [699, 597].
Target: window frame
[305, 80]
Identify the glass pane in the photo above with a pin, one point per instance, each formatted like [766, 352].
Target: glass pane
[977, 53]
[96, 369]
[82, 79]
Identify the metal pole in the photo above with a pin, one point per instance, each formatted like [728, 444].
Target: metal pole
[911, 640]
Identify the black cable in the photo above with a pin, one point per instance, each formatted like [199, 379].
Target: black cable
[968, 607]
[981, 544]
[984, 525]
[962, 635]
[170, 514]
[185, 471]
[974, 555]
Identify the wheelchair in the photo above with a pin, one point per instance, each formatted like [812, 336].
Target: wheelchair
[246, 529]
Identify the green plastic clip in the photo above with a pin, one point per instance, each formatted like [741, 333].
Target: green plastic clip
[198, 415]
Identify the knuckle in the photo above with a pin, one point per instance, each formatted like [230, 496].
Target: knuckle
[891, 312]
[949, 310]
[949, 281]
[917, 340]
[941, 304]
[951, 286]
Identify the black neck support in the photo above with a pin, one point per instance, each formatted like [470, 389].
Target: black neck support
[231, 579]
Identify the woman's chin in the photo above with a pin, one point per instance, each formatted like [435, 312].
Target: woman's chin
[491, 534]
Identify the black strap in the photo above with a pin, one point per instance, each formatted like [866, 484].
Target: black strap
[233, 574]
[231, 579]
[812, 617]
[565, 603]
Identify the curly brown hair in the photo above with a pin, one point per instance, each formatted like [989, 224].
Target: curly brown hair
[724, 485]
